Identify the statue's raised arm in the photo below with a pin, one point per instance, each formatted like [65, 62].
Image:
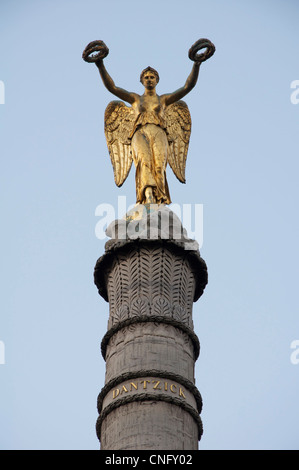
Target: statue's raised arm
[192, 78]
[152, 132]
[95, 52]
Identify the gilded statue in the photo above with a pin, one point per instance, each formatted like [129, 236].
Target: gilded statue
[153, 131]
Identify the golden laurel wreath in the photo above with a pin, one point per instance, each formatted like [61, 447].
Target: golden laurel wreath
[197, 46]
[95, 46]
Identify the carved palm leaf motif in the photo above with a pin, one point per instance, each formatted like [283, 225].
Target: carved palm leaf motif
[166, 276]
[184, 282]
[161, 307]
[124, 274]
[180, 314]
[119, 122]
[156, 272]
[140, 307]
[178, 129]
[144, 265]
[121, 314]
[176, 281]
[134, 275]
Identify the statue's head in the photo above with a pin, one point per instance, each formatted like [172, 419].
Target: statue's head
[149, 74]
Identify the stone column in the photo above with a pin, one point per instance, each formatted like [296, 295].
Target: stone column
[150, 400]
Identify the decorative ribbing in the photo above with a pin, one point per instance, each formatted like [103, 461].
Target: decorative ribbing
[150, 397]
[150, 319]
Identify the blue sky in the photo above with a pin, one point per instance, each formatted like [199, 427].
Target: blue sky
[242, 167]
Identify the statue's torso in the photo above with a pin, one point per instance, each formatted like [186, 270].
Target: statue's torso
[149, 110]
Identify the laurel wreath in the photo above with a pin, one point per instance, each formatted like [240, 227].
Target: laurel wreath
[95, 46]
[199, 45]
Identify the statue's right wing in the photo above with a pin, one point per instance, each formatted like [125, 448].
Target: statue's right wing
[119, 123]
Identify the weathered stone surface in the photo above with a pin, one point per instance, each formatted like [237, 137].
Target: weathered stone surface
[149, 425]
[151, 285]
[150, 346]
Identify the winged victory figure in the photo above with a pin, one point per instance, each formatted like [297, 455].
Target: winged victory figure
[153, 131]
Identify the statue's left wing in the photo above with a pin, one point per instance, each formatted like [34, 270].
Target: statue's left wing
[178, 128]
[119, 123]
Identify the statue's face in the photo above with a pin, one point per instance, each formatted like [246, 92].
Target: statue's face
[149, 80]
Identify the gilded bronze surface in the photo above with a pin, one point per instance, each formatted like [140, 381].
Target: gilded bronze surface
[154, 131]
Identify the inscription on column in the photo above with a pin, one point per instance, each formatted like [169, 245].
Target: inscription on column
[150, 385]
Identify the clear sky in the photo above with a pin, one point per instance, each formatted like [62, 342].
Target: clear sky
[242, 167]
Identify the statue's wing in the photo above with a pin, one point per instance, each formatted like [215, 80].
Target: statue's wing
[119, 122]
[178, 127]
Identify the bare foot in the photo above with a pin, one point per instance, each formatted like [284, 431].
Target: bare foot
[149, 196]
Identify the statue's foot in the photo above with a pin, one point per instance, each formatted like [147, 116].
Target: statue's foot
[149, 196]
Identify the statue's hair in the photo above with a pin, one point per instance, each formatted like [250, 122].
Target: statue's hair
[147, 70]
